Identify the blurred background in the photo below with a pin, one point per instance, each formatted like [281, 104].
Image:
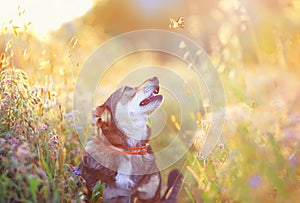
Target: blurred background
[254, 45]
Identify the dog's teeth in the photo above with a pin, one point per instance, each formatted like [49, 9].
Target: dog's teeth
[156, 90]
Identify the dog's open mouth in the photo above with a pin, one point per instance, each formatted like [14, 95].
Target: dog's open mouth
[152, 97]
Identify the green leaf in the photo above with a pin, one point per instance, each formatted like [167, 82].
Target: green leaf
[97, 191]
[189, 194]
[33, 186]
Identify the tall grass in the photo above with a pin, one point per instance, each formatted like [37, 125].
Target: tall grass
[38, 144]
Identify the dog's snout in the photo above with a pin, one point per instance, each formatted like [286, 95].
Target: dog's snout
[151, 85]
[154, 78]
[150, 89]
[152, 81]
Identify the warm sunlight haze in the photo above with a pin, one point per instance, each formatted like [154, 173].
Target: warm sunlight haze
[44, 15]
[226, 130]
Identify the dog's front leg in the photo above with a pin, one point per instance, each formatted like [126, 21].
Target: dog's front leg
[123, 177]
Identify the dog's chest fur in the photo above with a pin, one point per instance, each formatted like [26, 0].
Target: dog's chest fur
[116, 170]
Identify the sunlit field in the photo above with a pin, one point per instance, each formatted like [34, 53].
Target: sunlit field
[255, 47]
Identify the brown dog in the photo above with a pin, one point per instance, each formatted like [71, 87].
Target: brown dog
[119, 154]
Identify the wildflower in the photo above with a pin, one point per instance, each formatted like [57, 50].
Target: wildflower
[76, 151]
[293, 160]
[23, 151]
[53, 140]
[294, 118]
[255, 181]
[8, 136]
[69, 115]
[79, 128]
[44, 127]
[14, 141]
[9, 80]
[75, 170]
[2, 141]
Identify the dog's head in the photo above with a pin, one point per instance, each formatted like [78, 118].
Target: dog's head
[128, 109]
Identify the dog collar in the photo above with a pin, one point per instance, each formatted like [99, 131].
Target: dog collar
[142, 150]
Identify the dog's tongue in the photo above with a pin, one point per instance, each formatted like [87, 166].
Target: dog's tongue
[147, 100]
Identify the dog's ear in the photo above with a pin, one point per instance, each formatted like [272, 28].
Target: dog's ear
[101, 115]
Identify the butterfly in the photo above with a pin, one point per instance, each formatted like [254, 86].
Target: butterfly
[176, 24]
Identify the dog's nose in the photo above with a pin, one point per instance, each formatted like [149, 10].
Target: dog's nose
[154, 79]
[150, 83]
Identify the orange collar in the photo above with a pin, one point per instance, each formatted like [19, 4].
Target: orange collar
[142, 150]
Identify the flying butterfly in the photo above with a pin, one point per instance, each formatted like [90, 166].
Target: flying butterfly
[177, 24]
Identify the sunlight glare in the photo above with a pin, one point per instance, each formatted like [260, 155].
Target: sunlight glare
[44, 15]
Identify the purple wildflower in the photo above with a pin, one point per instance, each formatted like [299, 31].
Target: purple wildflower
[79, 128]
[9, 80]
[255, 181]
[76, 151]
[293, 160]
[44, 127]
[69, 115]
[14, 141]
[76, 171]
[2, 141]
[8, 136]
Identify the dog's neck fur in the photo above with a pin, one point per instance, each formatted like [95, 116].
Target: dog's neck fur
[106, 131]
[109, 132]
[144, 135]
[133, 126]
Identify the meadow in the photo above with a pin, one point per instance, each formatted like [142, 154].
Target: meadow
[256, 160]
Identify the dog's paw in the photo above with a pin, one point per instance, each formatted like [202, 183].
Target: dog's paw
[123, 181]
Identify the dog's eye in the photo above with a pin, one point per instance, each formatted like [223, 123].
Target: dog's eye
[129, 92]
[127, 88]
[106, 116]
